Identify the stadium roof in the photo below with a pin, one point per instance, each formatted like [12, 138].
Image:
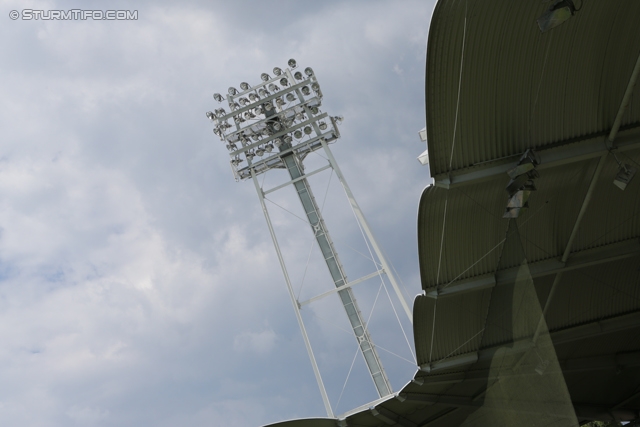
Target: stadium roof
[496, 86]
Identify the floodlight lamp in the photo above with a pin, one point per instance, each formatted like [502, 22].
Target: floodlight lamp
[277, 71]
[253, 97]
[260, 151]
[284, 82]
[314, 110]
[267, 106]
[280, 102]
[315, 87]
[307, 130]
[530, 156]
[338, 119]
[231, 147]
[287, 139]
[243, 101]
[308, 71]
[268, 148]
[236, 161]
[273, 88]
[276, 126]
[305, 90]
[250, 155]
[291, 97]
[218, 97]
[263, 93]
[559, 12]
[624, 176]
[233, 91]
[297, 134]
[265, 77]
[234, 106]
[518, 183]
[258, 110]
[322, 125]
[292, 63]
[298, 75]
[210, 115]
[220, 112]
[277, 142]
[248, 115]
[520, 169]
[519, 200]
[244, 86]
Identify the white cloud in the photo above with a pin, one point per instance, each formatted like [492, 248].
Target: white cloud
[86, 416]
[257, 342]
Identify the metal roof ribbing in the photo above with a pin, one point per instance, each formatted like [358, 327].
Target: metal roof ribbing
[583, 295]
[465, 314]
[596, 292]
[474, 228]
[521, 88]
[615, 216]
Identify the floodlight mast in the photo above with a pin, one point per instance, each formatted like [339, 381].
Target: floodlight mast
[296, 126]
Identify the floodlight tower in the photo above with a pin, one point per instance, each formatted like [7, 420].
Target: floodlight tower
[279, 121]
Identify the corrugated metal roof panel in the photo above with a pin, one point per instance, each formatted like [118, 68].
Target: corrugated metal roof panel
[474, 228]
[614, 215]
[595, 293]
[465, 315]
[521, 88]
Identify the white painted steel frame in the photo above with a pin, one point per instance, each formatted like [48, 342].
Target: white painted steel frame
[369, 235]
[332, 260]
[292, 161]
[347, 285]
[294, 301]
[367, 230]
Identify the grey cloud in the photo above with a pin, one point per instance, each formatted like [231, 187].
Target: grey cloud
[131, 262]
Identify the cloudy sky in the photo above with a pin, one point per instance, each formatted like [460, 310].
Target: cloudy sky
[138, 282]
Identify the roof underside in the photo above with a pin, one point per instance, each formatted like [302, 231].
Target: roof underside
[495, 87]
[521, 88]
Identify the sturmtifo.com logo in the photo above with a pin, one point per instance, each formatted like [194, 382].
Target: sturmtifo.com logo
[74, 15]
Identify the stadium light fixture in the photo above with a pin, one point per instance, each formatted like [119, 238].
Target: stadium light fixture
[260, 121]
[559, 12]
[285, 110]
[521, 183]
[624, 176]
